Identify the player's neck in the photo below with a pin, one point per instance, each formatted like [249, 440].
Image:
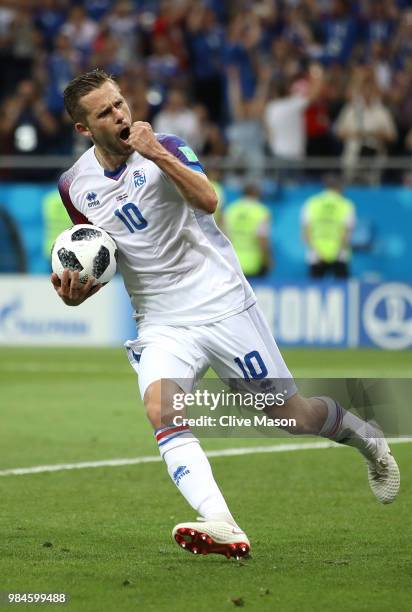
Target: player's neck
[108, 161]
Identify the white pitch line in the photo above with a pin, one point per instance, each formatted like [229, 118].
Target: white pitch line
[228, 452]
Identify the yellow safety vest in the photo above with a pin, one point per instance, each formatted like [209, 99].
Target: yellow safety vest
[242, 221]
[327, 221]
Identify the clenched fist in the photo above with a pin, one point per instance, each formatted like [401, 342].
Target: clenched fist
[144, 141]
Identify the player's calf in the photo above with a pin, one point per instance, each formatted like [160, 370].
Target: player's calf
[186, 462]
[309, 417]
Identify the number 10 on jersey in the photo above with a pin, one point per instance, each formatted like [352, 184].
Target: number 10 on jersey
[131, 216]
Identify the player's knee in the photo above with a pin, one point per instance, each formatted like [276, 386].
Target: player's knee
[152, 402]
[159, 401]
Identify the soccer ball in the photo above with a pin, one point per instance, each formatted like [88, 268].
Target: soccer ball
[88, 249]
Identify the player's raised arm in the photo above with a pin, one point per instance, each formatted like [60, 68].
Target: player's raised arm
[194, 186]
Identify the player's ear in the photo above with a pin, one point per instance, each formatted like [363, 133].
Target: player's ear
[82, 129]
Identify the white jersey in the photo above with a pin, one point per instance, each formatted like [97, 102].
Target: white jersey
[178, 267]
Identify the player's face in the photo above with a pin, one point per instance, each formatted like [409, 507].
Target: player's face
[108, 118]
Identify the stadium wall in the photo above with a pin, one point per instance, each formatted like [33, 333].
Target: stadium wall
[382, 249]
[326, 314]
[32, 315]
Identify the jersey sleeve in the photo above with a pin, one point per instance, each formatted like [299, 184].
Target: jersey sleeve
[64, 190]
[180, 149]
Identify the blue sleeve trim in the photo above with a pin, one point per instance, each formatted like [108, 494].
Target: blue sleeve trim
[198, 167]
[174, 144]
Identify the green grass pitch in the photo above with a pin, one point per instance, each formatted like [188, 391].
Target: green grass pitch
[320, 540]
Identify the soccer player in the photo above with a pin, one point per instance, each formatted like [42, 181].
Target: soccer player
[193, 305]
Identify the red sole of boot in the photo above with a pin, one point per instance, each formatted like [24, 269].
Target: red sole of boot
[200, 543]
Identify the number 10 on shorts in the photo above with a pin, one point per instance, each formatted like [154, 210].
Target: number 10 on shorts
[252, 366]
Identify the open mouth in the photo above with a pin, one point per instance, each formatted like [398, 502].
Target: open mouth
[125, 133]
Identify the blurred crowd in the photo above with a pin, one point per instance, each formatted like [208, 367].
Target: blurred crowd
[242, 78]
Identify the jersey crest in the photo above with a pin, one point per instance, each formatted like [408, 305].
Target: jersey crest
[139, 177]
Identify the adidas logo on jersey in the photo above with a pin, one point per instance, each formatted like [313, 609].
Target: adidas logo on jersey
[179, 473]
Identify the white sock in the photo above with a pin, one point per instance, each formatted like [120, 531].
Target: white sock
[346, 428]
[190, 470]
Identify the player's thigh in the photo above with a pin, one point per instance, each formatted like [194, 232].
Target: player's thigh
[163, 351]
[153, 363]
[244, 348]
[162, 377]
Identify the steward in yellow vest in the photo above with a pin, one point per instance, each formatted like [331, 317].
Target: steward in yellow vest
[328, 220]
[247, 224]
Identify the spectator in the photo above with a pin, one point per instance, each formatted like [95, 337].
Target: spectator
[328, 220]
[49, 19]
[122, 23]
[400, 99]
[81, 30]
[285, 117]
[340, 31]
[205, 40]
[63, 64]
[7, 14]
[162, 66]
[297, 30]
[178, 118]
[107, 53]
[380, 22]
[366, 127]
[25, 40]
[247, 222]
[169, 44]
[137, 95]
[403, 38]
[245, 133]
[213, 141]
[97, 9]
[284, 59]
[12, 69]
[320, 141]
[26, 122]
[170, 20]
[379, 58]
[244, 37]
[27, 127]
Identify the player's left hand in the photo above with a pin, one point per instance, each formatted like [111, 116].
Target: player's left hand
[144, 141]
